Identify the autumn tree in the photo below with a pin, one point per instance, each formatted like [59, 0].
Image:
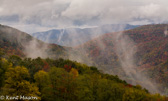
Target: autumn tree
[63, 84]
[17, 83]
[4, 65]
[15, 60]
[43, 83]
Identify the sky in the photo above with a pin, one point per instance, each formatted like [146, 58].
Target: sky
[41, 15]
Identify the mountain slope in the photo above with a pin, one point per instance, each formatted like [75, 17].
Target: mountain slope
[16, 42]
[150, 41]
[132, 54]
[138, 56]
[65, 80]
[77, 36]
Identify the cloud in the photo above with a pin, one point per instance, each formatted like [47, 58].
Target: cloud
[150, 10]
[1, 9]
[65, 13]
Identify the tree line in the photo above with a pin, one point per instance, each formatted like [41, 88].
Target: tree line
[65, 80]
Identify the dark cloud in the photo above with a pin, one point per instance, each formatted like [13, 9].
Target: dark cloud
[12, 18]
[66, 13]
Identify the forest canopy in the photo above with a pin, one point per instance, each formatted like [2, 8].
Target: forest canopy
[65, 80]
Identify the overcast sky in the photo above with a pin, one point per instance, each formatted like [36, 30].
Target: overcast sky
[40, 15]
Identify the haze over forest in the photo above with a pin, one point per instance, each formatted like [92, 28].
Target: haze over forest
[87, 50]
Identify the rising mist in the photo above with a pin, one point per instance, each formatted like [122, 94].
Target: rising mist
[126, 51]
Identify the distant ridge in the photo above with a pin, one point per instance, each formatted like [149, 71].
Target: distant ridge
[76, 36]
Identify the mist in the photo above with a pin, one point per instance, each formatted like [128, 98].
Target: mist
[30, 46]
[165, 32]
[126, 51]
[72, 37]
[40, 15]
[35, 49]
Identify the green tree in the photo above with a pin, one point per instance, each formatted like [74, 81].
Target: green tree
[15, 60]
[132, 94]
[63, 84]
[43, 82]
[109, 91]
[4, 65]
[84, 90]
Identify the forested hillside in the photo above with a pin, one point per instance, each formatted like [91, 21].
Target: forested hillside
[67, 80]
[13, 41]
[144, 47]
[64, 80]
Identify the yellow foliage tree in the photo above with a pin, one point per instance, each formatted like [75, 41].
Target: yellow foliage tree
[74, 72]
[16, 83]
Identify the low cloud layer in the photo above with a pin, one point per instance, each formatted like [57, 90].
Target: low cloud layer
[68, 13]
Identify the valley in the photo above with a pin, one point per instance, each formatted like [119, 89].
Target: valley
[138, 56]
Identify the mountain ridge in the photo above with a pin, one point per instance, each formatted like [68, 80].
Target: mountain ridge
[143, 49]
[76, 36]
[13, 39]
[146, 44]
